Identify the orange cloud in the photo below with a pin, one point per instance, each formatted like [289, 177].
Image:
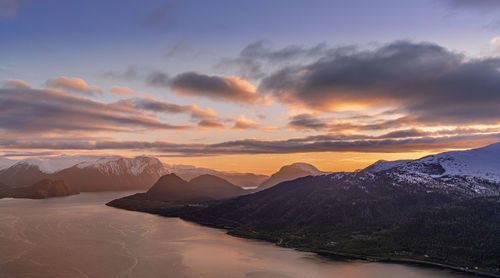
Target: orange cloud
[17, 84]
[243, 123]
[73, 84]
[123, 91]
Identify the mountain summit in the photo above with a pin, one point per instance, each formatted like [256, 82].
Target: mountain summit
[290, 172]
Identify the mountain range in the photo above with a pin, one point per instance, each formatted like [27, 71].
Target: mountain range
[94, 173]
[442, 209]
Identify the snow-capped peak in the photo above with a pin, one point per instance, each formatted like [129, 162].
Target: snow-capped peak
[52, 164]
[483, 163]
[6, 163]
[117, 165]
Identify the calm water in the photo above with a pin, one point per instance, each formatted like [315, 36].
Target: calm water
[79, 236]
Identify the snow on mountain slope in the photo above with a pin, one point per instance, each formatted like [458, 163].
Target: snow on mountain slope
[52, 164]
[6, 163]
[482, 163]
[116, 165]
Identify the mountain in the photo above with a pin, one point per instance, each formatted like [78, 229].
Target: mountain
[93, 174]
[22, 174]
[216, 188]
[6, 163]
[172, 192]
[476, 170]
[171, 188]
[290, 172]
[40, 190]
[367, 215]
[441, 209]
[114, 173]
[245, 180]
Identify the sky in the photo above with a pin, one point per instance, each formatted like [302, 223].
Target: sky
[249, 86]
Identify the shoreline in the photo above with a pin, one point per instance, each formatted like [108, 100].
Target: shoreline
[330, 254]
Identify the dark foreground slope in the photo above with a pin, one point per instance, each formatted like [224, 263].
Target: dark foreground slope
[43, 189]
[378, 216]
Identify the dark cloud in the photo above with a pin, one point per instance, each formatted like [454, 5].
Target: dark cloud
[261, 50]
[481, 5]
[28, 111]
[313, 122]
[155, 105]
[158, 79]
[130, 73]
[258, 57]
[9, 8]
[254, 146]
[423, 79]
[214, 87]
[162, 16]
[210, 123]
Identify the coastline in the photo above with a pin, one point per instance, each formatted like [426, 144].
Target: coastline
[324, 253]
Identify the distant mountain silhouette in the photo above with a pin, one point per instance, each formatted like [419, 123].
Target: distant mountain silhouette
[290, 172]
[246, 180]
[171, 188]
[216, 187]
[170, 191]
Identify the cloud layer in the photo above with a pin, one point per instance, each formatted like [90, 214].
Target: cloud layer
[422, 79]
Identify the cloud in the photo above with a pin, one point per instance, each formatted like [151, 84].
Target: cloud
[479, 5]
[421, 79]
[130, 73]
[314, 122]
[123, 91]
[243, 123]
[16, 84]
[310, 144]
[9, 8]
[257, 58]
[495, 43]
[162, 16]
[225, 88]
[155, 105]
[211, 123]
[158, 79]
[49, 111]
[76, 85]
[232, 89]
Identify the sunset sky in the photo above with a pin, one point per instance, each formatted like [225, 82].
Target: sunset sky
[249, 86]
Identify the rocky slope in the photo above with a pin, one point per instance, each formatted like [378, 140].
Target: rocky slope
[40, 190]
